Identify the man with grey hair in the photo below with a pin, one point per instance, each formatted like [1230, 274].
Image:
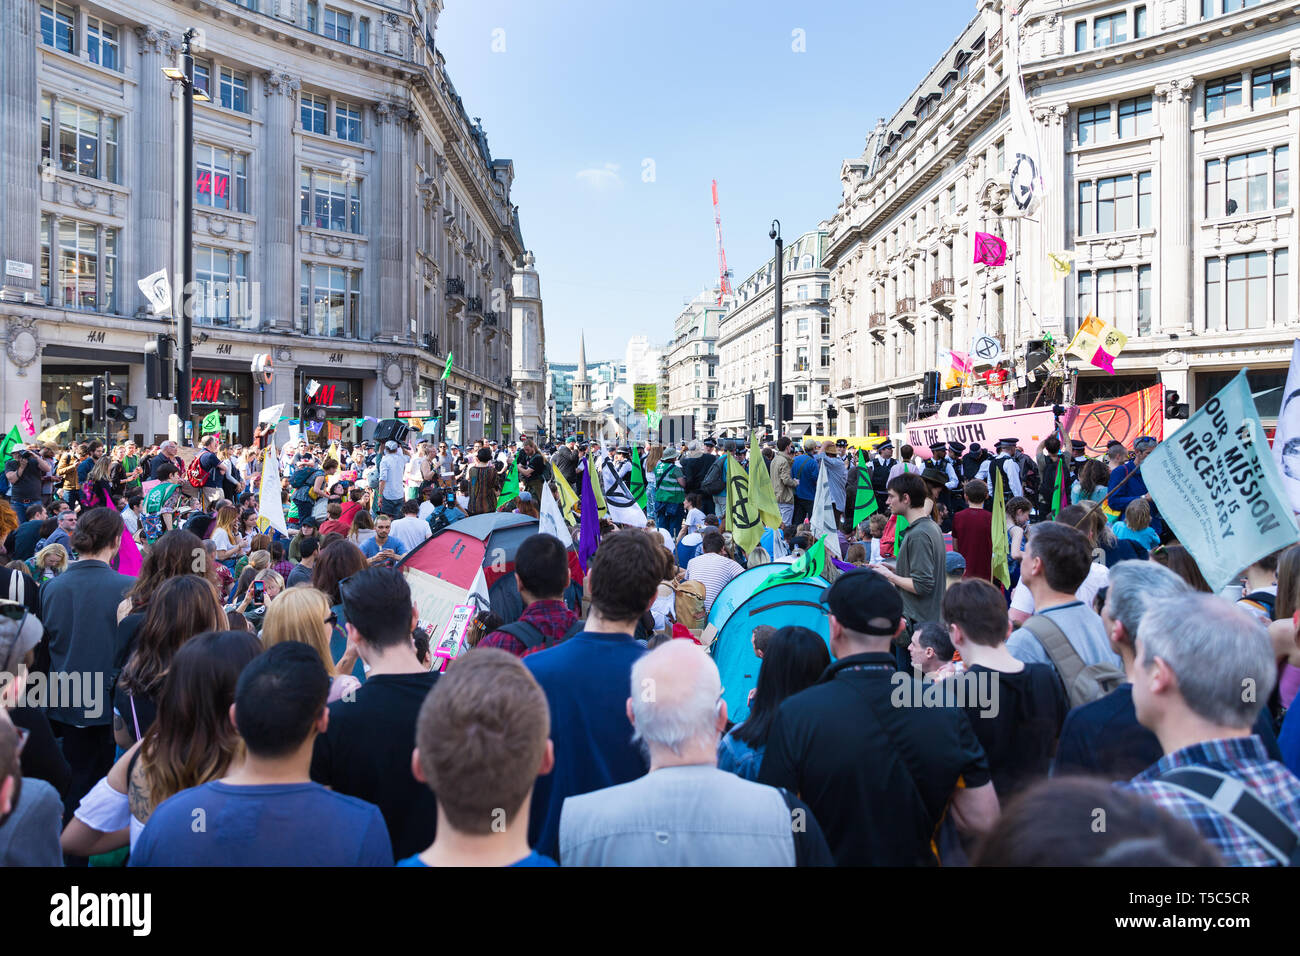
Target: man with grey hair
[1202, 670]
[685, 811]
[1103, 737]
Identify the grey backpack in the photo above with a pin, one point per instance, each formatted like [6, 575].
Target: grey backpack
[1084, 683]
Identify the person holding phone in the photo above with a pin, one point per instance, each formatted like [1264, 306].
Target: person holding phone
[383, 549]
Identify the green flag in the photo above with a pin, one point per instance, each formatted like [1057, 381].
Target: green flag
[211, 422]
[447, 369]
[810, 564]
[742, 513]
[760, 486]
[1001, 572]
[864, 494]
[510, 487]
[636, 481]
[6, 447]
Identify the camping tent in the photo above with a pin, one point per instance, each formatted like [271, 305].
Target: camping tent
[740, 588]
[779, 606]
[469, 561]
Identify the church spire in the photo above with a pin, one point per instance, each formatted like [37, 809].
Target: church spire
[582, 358]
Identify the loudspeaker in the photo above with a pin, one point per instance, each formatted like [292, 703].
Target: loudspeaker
[390, 429]
[930, 390]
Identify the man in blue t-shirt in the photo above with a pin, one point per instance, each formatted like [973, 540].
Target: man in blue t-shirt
[481, 740]
[268, 812]
[585, 679]
[383, 549]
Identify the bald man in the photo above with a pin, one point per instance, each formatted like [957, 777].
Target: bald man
[685, 811]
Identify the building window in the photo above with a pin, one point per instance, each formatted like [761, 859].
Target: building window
[1247, 183]
[1114, 207]
[363, 33]
[826, 356]
[58, 26]
[1247, 291]
[826, 325]
[826, 290]
[314, 110]
[330, 301]
[101, 43]
[1281, 283]
[330, 201]
[347, 122]
[1213, 294]
[1094, 124]
[220, 178]
[1144, 301]
[802, 293]
[1135, 117]
[203, 76]
[1110, 29]
[222, 278]
[801, 326]
[71, 260]
[313, 15]
[1222, 95]
[234, 90]
[1145, 215]
[87, 140]
[801, 396]
[1109, 294]
[801, 359]
[1270, 86]
[1080, 35]
[1002, 155]
[337, 25]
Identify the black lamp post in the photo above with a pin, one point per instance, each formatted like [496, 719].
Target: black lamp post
[775, 234]
[184, 75]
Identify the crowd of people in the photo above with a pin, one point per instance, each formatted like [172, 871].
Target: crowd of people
[189, 680]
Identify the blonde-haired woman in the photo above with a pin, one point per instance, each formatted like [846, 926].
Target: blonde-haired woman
[303, 614]
[230, 543]
[48, 563]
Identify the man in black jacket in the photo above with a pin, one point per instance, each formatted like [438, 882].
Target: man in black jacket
[695, 466]
[565, 461]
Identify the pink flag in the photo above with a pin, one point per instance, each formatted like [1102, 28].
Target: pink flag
[29, 425]
[1104, 360]
[961, 362]
[989, 249]
[128, 556]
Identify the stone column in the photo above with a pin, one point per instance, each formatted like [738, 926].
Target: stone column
[1049, 301]
[1174, 311]
[389, 219]
[20, 147]
[277, 216]
[154, 175]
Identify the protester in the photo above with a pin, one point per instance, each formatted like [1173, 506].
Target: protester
[1184, 648]
[584, 679]
[712, 567]
[1259, 589]
[383, 549]
[932, 653]
[30, 809]
[858, 759]
[783, 481]
[919, 571]
[366, 749]
[1075, 518]
[392, 474]
[794, 658]
[1180, 561]
[303, 614]
[1126, 483]
[685, 811]
[481, 743]
[542, 575]
[670, 492]
[972, 528]
[409, 531]
[284, 818]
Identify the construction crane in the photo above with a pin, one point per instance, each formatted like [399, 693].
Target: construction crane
[724, 274]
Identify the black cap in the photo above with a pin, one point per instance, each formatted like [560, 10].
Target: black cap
[938, 448]
[935, 476]
[886, 445]
[974, 446]
[711, 443]
[1078, 444]
[842, 443]
[1008, 442]
[865, 602]
[306, 520]
[957, 446]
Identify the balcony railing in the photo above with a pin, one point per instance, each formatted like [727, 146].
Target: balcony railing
[801, 366]
[431, 343]
[455, 286]
[474, 304]
[491, 319]
[904, 306]
[941, 289]
[876, 320]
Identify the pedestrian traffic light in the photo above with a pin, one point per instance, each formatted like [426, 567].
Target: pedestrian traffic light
[159, 370]
[95, 400]
[1173, 407]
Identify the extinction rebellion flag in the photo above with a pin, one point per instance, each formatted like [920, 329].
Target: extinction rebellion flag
[1219, 488]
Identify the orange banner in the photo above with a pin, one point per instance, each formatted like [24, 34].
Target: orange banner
[1121, 419]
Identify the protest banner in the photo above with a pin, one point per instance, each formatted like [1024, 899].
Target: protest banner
[1219, 488]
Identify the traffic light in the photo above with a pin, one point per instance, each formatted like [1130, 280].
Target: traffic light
[1173, 407]
[315, 413]
[95, 400]
[451, 410]
[787, 408]
[114, 400]
[159, 369]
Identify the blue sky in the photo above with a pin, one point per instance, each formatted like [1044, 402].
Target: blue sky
[586, 91]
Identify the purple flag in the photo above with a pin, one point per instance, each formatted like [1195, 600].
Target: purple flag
[589, 537]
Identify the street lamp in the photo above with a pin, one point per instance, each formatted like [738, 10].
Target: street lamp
[184, 75]
[775, 234]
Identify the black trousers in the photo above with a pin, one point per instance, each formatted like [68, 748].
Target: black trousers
[89, 752]
[802, 509]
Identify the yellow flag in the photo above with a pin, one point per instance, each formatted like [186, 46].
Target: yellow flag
[567, 497]
[1062, 263]
[1088, 339]
[760, 486]
[1001, 547]
[742, 511]
[596, 490]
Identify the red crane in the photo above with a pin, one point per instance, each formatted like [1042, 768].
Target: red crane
[724, 274]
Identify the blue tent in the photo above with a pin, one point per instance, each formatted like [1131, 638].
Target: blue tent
[740, 588]
[779, 606]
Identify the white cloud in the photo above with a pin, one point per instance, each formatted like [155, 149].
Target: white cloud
[601, 178]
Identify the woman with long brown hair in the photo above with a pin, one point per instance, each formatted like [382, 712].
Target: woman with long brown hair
[175, 553]
[335, 564]
[190, 743]
[181, 608]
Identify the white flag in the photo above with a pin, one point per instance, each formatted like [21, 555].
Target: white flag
[552, 518]
[822, 518]
[1286, 440]
[1024, 147]
[621, 507]
[271, 415]
[270, 506]
[158, 290]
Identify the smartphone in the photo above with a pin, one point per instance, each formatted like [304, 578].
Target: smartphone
[259, 592]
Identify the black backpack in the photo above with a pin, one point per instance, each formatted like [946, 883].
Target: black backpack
[531, 636]
[438, 520]
[715, 481]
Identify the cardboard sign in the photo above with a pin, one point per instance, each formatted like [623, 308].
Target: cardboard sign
[452, 642]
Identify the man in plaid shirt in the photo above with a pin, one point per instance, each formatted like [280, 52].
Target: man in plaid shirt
[1203, 670]
[542, 573]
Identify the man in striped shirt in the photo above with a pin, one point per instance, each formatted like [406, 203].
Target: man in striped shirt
[1203, 669]
[712, 568]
